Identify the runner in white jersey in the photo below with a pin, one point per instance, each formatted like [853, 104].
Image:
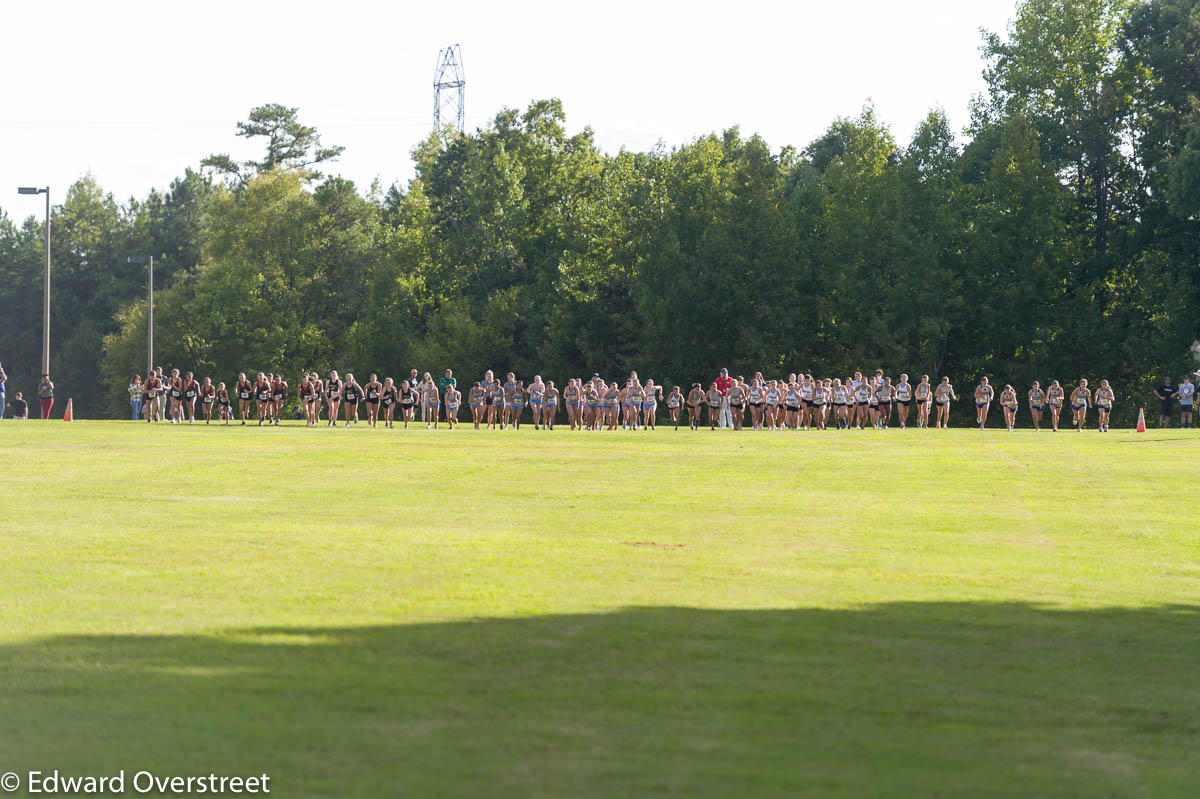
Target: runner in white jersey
[903, 400]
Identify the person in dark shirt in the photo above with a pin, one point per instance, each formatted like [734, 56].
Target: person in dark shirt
[1166, 399]
[20, 407]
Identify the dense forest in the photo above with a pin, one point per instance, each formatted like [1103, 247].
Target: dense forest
[1057, 237]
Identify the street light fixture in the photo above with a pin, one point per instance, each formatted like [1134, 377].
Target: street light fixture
[46, 289]
[148, 259]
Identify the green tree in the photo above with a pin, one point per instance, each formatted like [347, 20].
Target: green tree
[290, 145]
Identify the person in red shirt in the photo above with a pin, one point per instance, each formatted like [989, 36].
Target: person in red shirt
[154, 389]
[724, 382]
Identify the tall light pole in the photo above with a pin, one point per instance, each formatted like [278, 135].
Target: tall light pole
[143, 259]
[46, 290]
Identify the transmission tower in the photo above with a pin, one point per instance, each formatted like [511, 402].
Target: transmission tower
[449, 82]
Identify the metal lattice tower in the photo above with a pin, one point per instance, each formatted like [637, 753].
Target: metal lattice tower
[449, 82]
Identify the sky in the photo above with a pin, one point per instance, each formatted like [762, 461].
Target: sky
[134, 92]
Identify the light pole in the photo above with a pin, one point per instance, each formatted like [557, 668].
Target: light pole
[143, 259]
[46, 290]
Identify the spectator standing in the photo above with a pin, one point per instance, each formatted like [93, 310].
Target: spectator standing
[3, 384]
[20, 407]
[724, 383]
[1187, 396]
[46, 395]
[135, 397]
[1166, 400]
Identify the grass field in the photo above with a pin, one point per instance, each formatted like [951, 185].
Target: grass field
[365, 613]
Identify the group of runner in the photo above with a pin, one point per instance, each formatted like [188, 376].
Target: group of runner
[799, 402]
[803, 401]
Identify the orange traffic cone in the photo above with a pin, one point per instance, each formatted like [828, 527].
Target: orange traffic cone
[69, 416]
[1141, 427]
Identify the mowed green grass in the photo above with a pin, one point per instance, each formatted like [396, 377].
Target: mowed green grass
[368, 613]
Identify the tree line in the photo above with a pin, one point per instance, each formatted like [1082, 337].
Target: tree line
[1058, 237]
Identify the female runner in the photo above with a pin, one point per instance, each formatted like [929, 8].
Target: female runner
[651, 394]
[226, 410]
[839, 403]
[791, 404]
[1037, 404]
[372, 389]
[520, 396]
[612, 401]
[822, 395]
[675, 405]
[453, 399]
[495, 404]
[862, 403]
[408, 402]
[152, 387]
[714, 406]
[244, 391]
[1104, 401]
[629, 410]
[1054, 398]
[772, 404]
[806, 402]
[262, 398]
[757, 396]
[883, 395]
[571, 396]
[694, 402]
[983, 401]
[387, 400]
[191, 390]
[923, 396]
[333, 396]
[587, 405]
[305, 390]
[903, 398]
[1081, 398]
[431, 401]
[550, 406]
[1008, 404]
[317, 396]
[476, 401]
[942, 395]
[737, 403]
[352, 394]
[537, 394]
[279, 393]
[208, 397]
[175, 397]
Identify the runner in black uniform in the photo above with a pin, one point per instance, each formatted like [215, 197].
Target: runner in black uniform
[153, 388]
[333, 395]
[191, 390]
[176, 397]
[372, 390]
[388, 397]
[408, 402]
[352, 392]
[279, 392]
[244, 391]
[208, 397]
[262, 397]
[307, 403]
[223, 401]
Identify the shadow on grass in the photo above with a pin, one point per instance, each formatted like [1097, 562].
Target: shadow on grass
[906, 699]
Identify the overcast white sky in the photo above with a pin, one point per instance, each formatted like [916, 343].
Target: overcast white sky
[135, 91]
